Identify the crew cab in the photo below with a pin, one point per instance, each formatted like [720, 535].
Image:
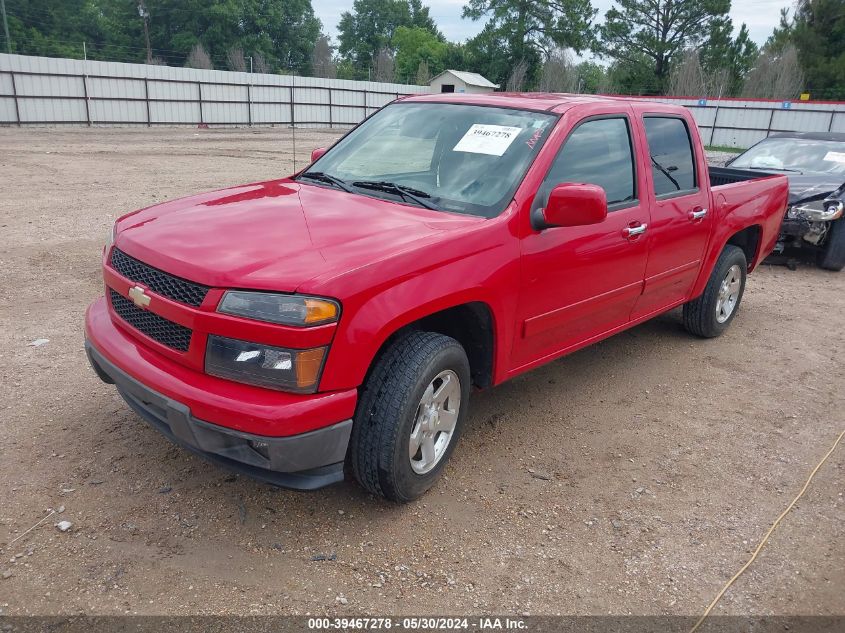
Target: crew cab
[336, 322]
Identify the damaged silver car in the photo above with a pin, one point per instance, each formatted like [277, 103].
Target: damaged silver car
[815, 166]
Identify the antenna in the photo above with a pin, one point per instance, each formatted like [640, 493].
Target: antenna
[292, 117]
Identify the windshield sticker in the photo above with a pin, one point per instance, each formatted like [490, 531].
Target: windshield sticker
[835, 157]
[487, 139]
[533, 140]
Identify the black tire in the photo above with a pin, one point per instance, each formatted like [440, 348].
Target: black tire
[387, 410]
[700, 314]
[833, 255]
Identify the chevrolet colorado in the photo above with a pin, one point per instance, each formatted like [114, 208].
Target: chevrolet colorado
[336, 321]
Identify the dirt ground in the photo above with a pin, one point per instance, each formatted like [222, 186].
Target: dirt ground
[634, 476]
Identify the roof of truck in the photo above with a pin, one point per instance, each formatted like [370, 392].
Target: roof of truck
[529, 100]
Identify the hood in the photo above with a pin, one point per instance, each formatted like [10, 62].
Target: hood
[276, 235]
[812, 186]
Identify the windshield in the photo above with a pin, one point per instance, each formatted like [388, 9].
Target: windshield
[451, 157]
[795, 154]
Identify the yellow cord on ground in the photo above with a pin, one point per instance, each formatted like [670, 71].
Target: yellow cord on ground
[766, 538]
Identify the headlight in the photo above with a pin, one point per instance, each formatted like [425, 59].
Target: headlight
[277, 308]
[264, 365]
[819, 210]
[111, 236]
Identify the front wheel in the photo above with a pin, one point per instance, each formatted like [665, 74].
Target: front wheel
[409, 417]
[833, 255]
[710, 314]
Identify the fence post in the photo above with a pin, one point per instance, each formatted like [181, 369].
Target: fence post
[331, 124]
[366, 100]
[249, 102]
[290, 89]
[830, 123]
[147, 101]
[85, 93]
[769, 127]
[199, 91]
[15, 95]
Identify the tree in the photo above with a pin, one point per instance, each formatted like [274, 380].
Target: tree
[591, 77]
[488, 53]
[775, 76]
[687, 79]
[656, 31]
[198, 58]
[50, 28]
[818, 33]
[414, 46]
[781, 37]
[371, 24]
[634, 76]
[558, 74]
[259, 64]
[282, 31]
[322, 58]
[725, 60]
[235, 59]
[384, 67]
[423, 74]
[529, 30]
[516, 80]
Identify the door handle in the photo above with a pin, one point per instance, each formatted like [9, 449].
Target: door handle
[633, 231]
[697, 214]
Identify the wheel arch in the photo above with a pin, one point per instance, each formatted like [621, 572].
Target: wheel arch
[749, 240]
[472, 324]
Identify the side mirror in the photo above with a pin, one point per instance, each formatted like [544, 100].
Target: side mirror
[315, 154]
[572, 204]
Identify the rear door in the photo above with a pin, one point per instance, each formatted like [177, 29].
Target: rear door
[579, 282]
[680, 218]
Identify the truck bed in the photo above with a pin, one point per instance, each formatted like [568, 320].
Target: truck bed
[720, 176]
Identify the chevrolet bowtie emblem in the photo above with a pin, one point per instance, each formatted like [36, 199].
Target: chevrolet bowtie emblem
[139, 297]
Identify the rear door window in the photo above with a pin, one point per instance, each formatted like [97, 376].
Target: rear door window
[672, 157]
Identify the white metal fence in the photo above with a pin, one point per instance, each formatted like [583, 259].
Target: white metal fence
[743, 122]
[49, 91]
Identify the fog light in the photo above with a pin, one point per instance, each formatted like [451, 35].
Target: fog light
[260, 447]
[264, 365]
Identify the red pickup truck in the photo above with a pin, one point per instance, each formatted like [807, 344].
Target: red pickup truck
[336, 321]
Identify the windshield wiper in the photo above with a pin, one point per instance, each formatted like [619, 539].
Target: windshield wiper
[408, 193]
[797, 171]
[666, 173]
[320, 176]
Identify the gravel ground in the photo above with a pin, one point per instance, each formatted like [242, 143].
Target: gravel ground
[634, 476]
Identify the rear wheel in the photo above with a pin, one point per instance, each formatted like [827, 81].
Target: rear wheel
[833, 255]
[410, 415]
[710, 314]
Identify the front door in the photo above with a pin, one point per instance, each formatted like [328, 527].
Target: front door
[580, 282]
[680, 219]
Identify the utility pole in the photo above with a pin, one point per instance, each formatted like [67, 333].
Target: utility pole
[6, 27]
[142, 11]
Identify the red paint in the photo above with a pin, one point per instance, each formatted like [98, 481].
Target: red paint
[389, 264]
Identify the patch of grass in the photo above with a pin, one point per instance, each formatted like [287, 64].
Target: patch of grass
[723, 148]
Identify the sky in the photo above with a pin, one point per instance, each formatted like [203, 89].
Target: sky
[761, 16]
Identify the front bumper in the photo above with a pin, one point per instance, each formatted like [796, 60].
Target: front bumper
[305, 461]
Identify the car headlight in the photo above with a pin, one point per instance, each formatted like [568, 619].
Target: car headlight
[111, 236]
[264, 365]
[818, 210]
[278, 308]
